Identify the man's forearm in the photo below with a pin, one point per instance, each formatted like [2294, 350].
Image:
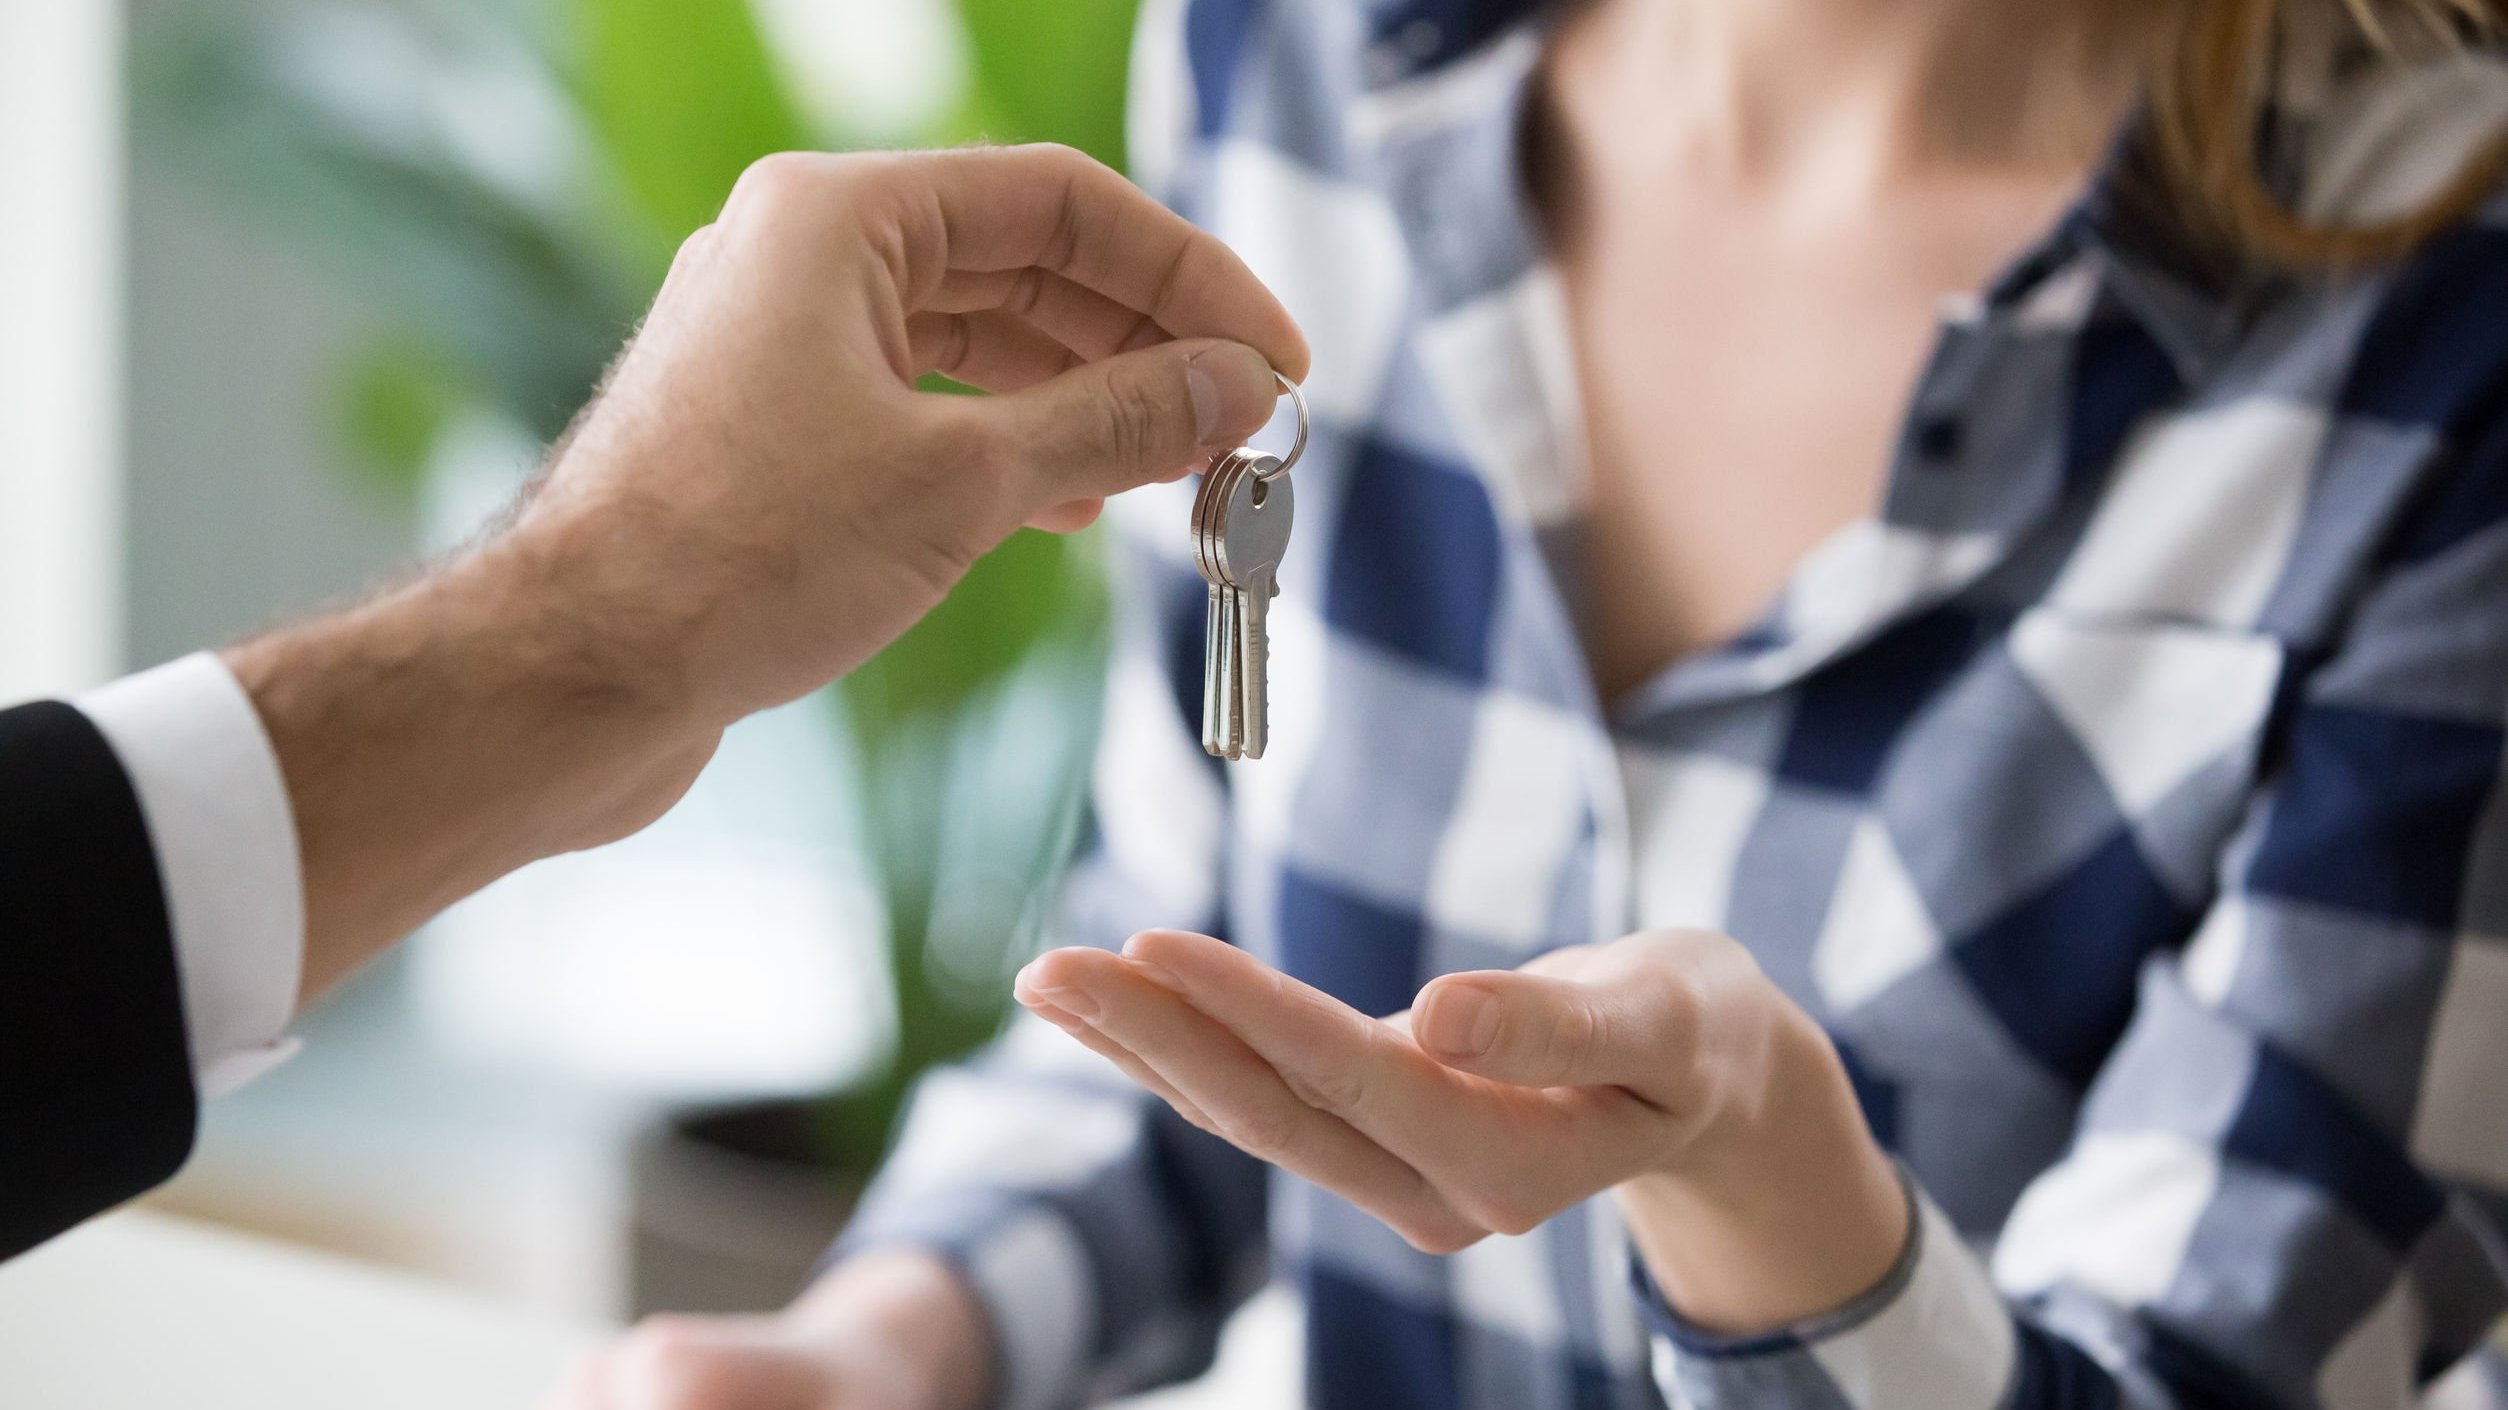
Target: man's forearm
[447, 733]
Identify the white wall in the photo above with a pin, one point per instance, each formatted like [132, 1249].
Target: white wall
[60, 353]
[241, 505]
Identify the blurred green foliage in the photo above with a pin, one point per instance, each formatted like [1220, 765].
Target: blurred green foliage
[682, 96]
[508, 182]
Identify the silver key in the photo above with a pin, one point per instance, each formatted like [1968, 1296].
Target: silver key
[1222, 720]
[1214, 630]
[1217, 655]
[1252, 534]
[1241, 517]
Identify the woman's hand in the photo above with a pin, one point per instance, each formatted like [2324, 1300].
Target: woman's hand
[1664, 1067]
[889, 1331]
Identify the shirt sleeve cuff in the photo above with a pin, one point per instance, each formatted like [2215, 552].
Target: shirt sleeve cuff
[1932, 1335]
[218, 815]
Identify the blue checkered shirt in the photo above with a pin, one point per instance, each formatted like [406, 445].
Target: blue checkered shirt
[2125, 796]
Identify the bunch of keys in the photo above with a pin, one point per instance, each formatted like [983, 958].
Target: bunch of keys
[1240, 533]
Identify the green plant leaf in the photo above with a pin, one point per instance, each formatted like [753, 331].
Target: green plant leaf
[395, 400]
[1053, 72]
[1008, 603]
[684, 95]
[528, 303]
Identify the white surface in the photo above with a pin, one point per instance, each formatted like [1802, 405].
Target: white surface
[142, 1312]
[225, 836]
[60, 309]
[139, 1311]
[1946, 1342]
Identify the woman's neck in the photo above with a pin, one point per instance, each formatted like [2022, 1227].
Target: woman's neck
[1865, 92]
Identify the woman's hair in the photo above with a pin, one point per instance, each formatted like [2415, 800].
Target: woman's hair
[2213, 90]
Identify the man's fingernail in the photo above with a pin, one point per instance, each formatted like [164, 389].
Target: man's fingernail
[1232, 391]
[1465, 1021]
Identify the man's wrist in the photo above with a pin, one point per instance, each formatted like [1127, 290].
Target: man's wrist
[455, 729]
[500, 629]
[602, 601]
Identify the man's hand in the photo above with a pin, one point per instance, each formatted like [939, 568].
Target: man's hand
[757, 501]
[1664, 1067]
[762, 479]
[891, 1331]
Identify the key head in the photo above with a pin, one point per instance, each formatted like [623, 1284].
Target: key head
[1208, 500]
[1253, 525]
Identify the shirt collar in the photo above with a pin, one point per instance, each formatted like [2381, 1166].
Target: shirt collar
[1447, 86]
[2195, 301]
[1409, 38]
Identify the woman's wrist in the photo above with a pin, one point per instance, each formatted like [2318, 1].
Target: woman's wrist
[905, 1320]
[1783, 1208]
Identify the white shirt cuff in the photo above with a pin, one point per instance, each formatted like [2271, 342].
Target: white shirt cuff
[217, 810]
[1935, 1335]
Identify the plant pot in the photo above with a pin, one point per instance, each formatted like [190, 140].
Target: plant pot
[730, 1206]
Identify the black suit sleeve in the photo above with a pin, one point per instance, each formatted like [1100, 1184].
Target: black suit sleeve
[96, 1096]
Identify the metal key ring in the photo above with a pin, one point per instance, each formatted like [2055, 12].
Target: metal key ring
[1297, 446]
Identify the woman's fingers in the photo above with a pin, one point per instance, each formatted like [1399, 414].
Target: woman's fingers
[1239, 1094]
[1650, 1014]
[1537, 1031]
[1334, 1057]
[1113, 1052]
[1500, 1098]
[1505, 1152]
[1524, 1026]
[1504, 1156]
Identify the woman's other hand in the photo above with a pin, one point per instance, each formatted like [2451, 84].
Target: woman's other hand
[889, 1331]
[1664, 1067]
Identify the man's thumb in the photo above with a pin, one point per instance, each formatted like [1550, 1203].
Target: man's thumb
[1140, 416]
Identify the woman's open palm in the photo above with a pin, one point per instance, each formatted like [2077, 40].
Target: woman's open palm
[1500, 1099]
